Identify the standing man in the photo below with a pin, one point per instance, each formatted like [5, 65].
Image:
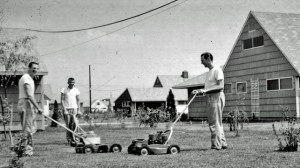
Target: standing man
[215, 101]
[25, 105]
[71, 106]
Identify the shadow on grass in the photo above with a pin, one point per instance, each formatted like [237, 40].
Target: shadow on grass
[51, 143]
[194, 149]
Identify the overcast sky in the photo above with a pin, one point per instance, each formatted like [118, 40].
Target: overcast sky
[131, 53]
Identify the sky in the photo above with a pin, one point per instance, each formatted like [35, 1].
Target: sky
[131, 54]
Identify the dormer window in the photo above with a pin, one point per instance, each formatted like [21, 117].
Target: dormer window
[253, 42]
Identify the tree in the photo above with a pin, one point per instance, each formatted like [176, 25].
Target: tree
[171, 108]
[55, 114]
[15, 55]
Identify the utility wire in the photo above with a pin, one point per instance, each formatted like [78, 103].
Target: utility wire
[78, 44]
[104, 25]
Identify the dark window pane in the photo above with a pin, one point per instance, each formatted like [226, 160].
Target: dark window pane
[241, 87]
[227, 88]
[286, 83]
[182, 102]
[247, 43]
[273, 84]
[258, 41]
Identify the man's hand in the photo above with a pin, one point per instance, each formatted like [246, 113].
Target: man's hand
[196, 91]
[40, 111]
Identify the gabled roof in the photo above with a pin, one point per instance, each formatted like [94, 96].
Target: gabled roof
[167, 81]
[155, 94]
[48, 91]
[284, 30]
[193, 82]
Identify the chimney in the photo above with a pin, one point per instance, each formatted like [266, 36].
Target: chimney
[185, 75]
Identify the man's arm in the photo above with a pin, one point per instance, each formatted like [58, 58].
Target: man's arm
[32, 98]
[77, 100]
[62, 101]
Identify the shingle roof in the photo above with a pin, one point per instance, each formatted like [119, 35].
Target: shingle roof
[193, 82]
[284, 30]
[168, 81]
[155, 94]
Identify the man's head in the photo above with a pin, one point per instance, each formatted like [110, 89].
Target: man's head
[71, 82]
[33, 67]
[207, 59]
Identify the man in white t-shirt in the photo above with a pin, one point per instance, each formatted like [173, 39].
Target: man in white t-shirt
[26, 103]
[71, 106]
[215, 101]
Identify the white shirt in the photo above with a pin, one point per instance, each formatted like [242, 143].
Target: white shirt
[213, 75]
[70, 97]
[26, 79]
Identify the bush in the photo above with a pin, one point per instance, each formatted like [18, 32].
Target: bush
[289, 132]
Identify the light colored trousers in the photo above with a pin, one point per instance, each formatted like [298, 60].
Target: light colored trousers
[71, 122]
[215, 103]
[28, 122]
[27, 114]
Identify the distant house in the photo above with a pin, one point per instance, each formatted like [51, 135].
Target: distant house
[99, 106]
[14, 76]
[155, 97]
[263, 67]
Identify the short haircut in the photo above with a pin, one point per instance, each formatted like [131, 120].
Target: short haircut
[71, 79]
[207, 55]
[31, 63]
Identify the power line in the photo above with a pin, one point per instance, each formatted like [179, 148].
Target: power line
[109, 33]
[104, 25]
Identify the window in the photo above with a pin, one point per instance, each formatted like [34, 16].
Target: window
[126, 104]
[280, 84]
[98, 103]
[182, 102]
[228, 88]
[241, 87]
[286, 83]
[273, 84]
[253, 42]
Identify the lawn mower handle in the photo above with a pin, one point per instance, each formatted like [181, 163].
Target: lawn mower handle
[64, 127]
[171, 128]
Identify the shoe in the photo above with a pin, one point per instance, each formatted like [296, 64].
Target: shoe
[213, 147]
[28, 151]
[73, 143]
[224, 147]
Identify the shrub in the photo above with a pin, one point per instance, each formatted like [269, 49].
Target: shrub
[289, 131]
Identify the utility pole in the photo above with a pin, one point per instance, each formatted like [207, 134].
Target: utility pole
[90, 89]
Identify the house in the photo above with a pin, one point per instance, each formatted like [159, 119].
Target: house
[9, 81]
[99, 106]
[47, 98]
[154, 97]
[263, 68]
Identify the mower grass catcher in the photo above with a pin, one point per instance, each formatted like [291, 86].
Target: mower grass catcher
[92, 144]
[156, 144]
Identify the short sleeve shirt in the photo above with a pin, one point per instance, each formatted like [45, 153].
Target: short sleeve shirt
[213, 75]
[26, 79]
[70, 97]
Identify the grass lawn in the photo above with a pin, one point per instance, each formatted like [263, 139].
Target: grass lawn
[254, 148]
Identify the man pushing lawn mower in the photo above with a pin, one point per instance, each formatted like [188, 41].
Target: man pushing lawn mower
[71, 107]
[215, 101]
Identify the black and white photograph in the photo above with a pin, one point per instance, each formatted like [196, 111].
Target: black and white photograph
[149, 83]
